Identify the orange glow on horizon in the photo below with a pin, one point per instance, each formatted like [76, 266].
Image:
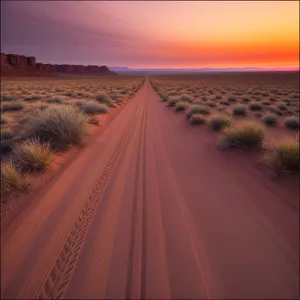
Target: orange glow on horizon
[218, 33]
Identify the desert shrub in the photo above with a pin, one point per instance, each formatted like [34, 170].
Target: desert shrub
[6, 133]
[218, 97]
[8, 98]
[32, 98]
[255, 107]
[218, 122]
[32, 155]
[79, 103]
[173, 100]
[197, 119]
[181, 105]
[282, 106]
[283, 157]
[186, 98]
[92, 107]
[172, 93]
[104, 98]
[194, 109]
[223, 102]
[70, 94]
[243, 135]
[61, 126]
[10, 177]
[5, 119]
[239, 110]
[6, 146]
[203, 110]
[54, 100]
[292, 123]
[39, 105]
[269, 119]
[231, 99]
[14, 105]
[246, 99]
[123, 92]
[204, 98]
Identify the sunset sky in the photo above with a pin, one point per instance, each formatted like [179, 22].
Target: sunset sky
[158, 34]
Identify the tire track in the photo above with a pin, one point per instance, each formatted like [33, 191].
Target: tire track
[56, 283]
[141, 152]
[144, 220]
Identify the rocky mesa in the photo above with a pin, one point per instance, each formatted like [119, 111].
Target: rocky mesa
[12, 64]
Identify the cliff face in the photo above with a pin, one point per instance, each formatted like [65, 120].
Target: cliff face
[12, 64]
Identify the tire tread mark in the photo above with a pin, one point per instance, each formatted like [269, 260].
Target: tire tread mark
[144, 220]
[129, 279]
[68, 257]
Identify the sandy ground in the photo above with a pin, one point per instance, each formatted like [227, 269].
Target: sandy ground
[153, 210]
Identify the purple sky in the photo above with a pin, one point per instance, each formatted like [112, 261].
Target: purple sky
[154, 33]
[70, 32]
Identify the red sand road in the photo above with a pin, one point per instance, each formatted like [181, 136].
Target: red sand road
[153, 210]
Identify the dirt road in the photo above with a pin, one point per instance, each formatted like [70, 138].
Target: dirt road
[153, 210]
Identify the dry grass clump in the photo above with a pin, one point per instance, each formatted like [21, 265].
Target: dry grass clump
[243, 135]
[292, 123]
[269, 119]
[223, 102]
[6, 133]
[239, 110]
[104, 98]
[181, 106]
[14, 105]
[54, 100]
[6, 146]
[5, 119]
[173, 100]
[194, 109]
[32, 155]
[282, 106]
[232, 99]
[186, 98]
[59, 125]
[8, 98]
[283, 157]
[218, 122]
[10, 177]
[92, 107]
[32, 97]
[255, 107]
[197, 119]
[172, 93]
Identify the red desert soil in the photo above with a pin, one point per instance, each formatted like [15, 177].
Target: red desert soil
[154, 210]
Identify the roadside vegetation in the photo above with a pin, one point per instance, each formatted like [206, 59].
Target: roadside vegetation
[244, 114]
[42, 118]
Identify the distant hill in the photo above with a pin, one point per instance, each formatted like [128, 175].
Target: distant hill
[15, 65]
